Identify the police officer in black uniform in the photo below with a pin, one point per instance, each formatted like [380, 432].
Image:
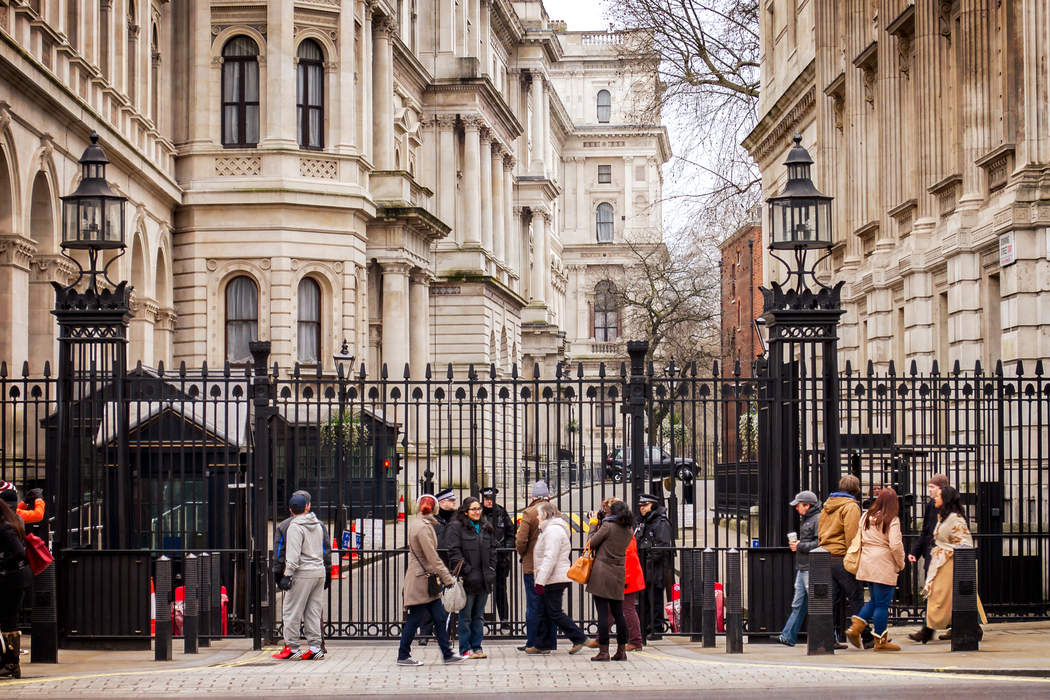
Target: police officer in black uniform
[504, 528]
[652, 533]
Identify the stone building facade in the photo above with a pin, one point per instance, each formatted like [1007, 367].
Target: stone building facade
[925, 122]
[435, 182]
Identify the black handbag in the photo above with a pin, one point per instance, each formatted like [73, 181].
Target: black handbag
[434, 585]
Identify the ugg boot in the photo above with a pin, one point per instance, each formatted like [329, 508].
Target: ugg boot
[621, 653]
[10, 665]
[882, 643]
[924, 635]
[603, 653]
[855, 630]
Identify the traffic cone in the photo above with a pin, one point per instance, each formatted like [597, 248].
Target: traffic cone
[354, 556]
[336, 566]
[152, 608]
[401, 509]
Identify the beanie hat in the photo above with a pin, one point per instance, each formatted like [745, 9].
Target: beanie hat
[9, 493]
[540, 490]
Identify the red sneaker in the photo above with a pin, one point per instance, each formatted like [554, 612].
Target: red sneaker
[311, 654]
[283, 653]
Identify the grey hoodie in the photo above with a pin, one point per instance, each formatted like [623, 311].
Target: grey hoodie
[305, 553]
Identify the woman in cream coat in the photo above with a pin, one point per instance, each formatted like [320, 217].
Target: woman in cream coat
[551, 555]
[881, 559]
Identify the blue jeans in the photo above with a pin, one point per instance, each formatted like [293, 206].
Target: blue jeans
[538, 630]
[877, 609]
[799, 608]
[472, 622]
[416, 615]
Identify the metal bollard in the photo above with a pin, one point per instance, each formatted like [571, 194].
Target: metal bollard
[734, 604]
[216, 595]
[692, 599]
[162, 592]
[710, 573]
[204, 600]
[965, 619]
[821, 619]
[44, 620]
[191, 581]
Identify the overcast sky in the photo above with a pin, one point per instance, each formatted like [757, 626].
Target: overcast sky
[580, 15]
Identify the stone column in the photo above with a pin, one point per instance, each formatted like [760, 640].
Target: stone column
[582, 210]
[483, 38]
[346, 79]
[278, 103]
[16, 254]
[511, 230]
[546, 154]
[383, 92]
[628, 194]
[498, 203]
[964, 311]
[446, 126]
[395, 317]
[485, 161]
[472, 181]
[367, 108]
[538, 137]
[419, 322]
[538, 288]
[975, 72]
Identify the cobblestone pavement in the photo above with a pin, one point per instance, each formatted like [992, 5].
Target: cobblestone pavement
[672, 669]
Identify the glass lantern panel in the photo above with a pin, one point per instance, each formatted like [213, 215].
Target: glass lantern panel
[803, 221]
[90, 220]
[114, 220]
[69, 221]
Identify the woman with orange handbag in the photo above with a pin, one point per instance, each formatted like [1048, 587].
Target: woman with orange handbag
[635, 583]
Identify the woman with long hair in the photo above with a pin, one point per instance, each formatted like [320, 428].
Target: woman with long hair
[15, 577]
[608, 577]
[881, 559]
[472, 541]
[952, 531]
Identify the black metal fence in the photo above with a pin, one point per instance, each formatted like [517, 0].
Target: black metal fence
[175, 459]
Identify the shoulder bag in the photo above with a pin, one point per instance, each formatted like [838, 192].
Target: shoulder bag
[454, 597]
[37, 553]
[434, 585]
[580, 571]
[852, 559]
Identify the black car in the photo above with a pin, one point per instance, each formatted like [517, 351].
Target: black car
[658, 465]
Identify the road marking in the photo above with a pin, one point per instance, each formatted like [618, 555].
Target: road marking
[945, 671]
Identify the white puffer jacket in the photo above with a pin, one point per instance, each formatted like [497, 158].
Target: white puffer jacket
[552, 552]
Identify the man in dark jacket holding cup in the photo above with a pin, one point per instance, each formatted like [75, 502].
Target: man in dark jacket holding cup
[802, 542]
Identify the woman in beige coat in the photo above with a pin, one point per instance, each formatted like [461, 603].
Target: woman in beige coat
[881, 559]
[423, 561]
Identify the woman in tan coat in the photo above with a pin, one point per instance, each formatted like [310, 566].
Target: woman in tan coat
[608, 576]
[881, 559]
[423, 562]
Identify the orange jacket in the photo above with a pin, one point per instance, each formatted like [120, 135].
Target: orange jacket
[31, 516]
[635, 579]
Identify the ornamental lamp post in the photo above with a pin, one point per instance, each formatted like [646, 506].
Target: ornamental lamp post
[800, 216]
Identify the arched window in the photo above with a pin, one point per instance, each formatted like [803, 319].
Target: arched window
[240, 93]
[242, 318]
[309, 321]
[604, 106]
[604, 222]
[606, 312]
[310, 95]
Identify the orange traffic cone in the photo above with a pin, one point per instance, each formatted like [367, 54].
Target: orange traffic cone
[354, 556]
[152, 608]
[401, 509]
[336, 566]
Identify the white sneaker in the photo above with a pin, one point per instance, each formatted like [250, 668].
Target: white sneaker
[409, 662]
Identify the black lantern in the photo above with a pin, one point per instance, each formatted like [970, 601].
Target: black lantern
[800, 216]
[93, 216]
[344, 358]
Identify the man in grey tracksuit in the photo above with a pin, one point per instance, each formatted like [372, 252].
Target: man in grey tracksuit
[303, 581]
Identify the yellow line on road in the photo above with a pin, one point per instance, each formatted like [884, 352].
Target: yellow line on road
[945, 671]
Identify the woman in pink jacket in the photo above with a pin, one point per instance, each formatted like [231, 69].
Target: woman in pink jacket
[881, 559]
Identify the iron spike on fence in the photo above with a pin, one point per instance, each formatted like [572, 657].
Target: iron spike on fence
[871, 368]
[977, 367]
[849, 368]
[998, 368]
[736, 368]
[535, 370]
[914, 370]
[226, 369]
[714, 368]
[492, 370]
[182, 369]
[407, 373]
[935, 368]
[601, 370]
[428, 373]
[514, 371]
[25, 369]
[3, 369]
[1020, 368]
[892, 371]
[956, 369]
[1039, 368]
[450, 374]
[138, 367]
[362, 372]
[295, 371]
[319, 370]
[47, 369]
[623, 370]
[383, 373]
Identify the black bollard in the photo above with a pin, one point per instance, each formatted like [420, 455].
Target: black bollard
[44, 620]
[820, 622]
[692, 594]
[162, 614]
[216, 595]
[710, 573]
[965, 618]
[734, 604]
[204, 601]
[191, 581]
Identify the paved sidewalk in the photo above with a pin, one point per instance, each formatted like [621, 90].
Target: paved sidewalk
[674, 667]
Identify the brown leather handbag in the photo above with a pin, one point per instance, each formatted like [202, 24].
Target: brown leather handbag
[580, 571]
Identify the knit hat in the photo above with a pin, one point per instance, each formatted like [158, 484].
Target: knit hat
[9, 493]
[445, 494]
[540, 490]
[425, 495]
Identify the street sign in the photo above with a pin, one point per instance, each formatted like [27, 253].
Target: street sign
[1007, 250]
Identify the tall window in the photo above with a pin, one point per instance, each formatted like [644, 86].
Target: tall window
[310, 95]
[606, 312]
[242, 318]
[309, 320]
[604, 106]
[240, 93]
[604, 222]
[604, 174]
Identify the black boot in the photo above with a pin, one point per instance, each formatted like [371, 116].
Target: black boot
[10, 665]
[924, 635]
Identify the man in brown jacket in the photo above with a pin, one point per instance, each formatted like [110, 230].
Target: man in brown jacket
[540, 636]
[839, 520]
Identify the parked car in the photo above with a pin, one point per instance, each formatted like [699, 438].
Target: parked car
[658, 465]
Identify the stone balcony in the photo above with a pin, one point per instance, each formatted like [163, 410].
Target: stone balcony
[597, 348]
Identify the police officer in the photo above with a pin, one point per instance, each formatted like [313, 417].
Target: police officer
[504, 528]
[653, 533]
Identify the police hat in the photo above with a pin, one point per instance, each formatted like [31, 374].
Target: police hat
[490, 492]
[445, 494]
[648, 498]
